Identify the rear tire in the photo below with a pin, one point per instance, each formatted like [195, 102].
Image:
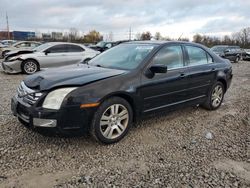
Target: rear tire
[237, 59]
[111, 121]
[29, 66]
[215, 96]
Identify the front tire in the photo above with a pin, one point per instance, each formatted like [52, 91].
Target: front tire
[4, 53]
[29, 66]
[215, 96]
[112, 120]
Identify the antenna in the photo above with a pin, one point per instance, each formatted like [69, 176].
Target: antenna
[130, 32]
[180, 36]
[8, 29]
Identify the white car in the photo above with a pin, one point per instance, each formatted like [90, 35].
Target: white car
[22, 45]
[53, 54]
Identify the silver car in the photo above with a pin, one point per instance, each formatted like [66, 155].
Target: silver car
[53, 54]
[22, 45]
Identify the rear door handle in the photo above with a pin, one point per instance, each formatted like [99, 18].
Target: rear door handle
[182, 74]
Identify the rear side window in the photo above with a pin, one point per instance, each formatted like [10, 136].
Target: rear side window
[22, 45]
[61, 48]
[198, 56]
[171, 56]
[34, 45]
[74, 48]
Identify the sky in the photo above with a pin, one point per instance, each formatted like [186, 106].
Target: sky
[170, 18]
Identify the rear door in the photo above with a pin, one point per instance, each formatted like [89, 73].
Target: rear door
[75, 54]
[165, 89]
[201, 72]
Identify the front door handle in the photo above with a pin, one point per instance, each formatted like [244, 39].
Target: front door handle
[182, 74]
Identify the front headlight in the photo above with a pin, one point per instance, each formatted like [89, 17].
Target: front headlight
[55, 98]
[13, 58]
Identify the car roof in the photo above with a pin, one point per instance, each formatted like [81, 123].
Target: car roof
[54, 43]
[158, 42]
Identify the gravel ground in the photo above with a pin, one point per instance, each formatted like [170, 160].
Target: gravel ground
[186, 148]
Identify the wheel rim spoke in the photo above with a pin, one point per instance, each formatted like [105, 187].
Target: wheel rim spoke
[107, 131]
[110, 134]
[125, 116]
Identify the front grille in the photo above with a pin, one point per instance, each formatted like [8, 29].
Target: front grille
[28, 95]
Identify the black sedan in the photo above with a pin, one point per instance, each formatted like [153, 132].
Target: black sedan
[117, 87]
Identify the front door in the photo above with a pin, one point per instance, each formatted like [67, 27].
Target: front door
[54, 56]
[165, 89]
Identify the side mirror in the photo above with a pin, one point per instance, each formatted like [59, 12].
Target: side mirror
[226, 51]
[85, 61]
[158, 68]
[46, 52]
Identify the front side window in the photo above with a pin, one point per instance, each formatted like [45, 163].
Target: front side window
[124, 56]
[33, 45]
[61, 48]
[171, 56]
[197, 56]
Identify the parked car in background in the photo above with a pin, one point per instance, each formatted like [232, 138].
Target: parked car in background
[103, 46]
[247, 55]
[233, 53]
[120, 85]
[53, 54]
[24, 45]
[5, 43]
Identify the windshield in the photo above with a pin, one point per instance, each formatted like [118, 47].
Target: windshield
[124, 56]
[101, 44]
[219, 48]
[42, 47]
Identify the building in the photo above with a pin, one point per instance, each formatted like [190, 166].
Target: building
[23, 35]
[4, 35]
[57, 35]
[46, 36]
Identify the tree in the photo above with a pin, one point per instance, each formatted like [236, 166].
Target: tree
[243, 37]
[146, 36]
[93, 37]
[158, 36]
[197, 38]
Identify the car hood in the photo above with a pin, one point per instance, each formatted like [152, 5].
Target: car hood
[74, 75]
[18, 52]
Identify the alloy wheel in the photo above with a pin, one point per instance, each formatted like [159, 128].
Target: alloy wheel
[114, 121]
[217, 96]
[30, 67]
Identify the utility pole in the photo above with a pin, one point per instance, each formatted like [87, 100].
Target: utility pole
[130, 33]
[8, 29]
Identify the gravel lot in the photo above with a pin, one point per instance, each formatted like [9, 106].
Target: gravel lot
[186, 148]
